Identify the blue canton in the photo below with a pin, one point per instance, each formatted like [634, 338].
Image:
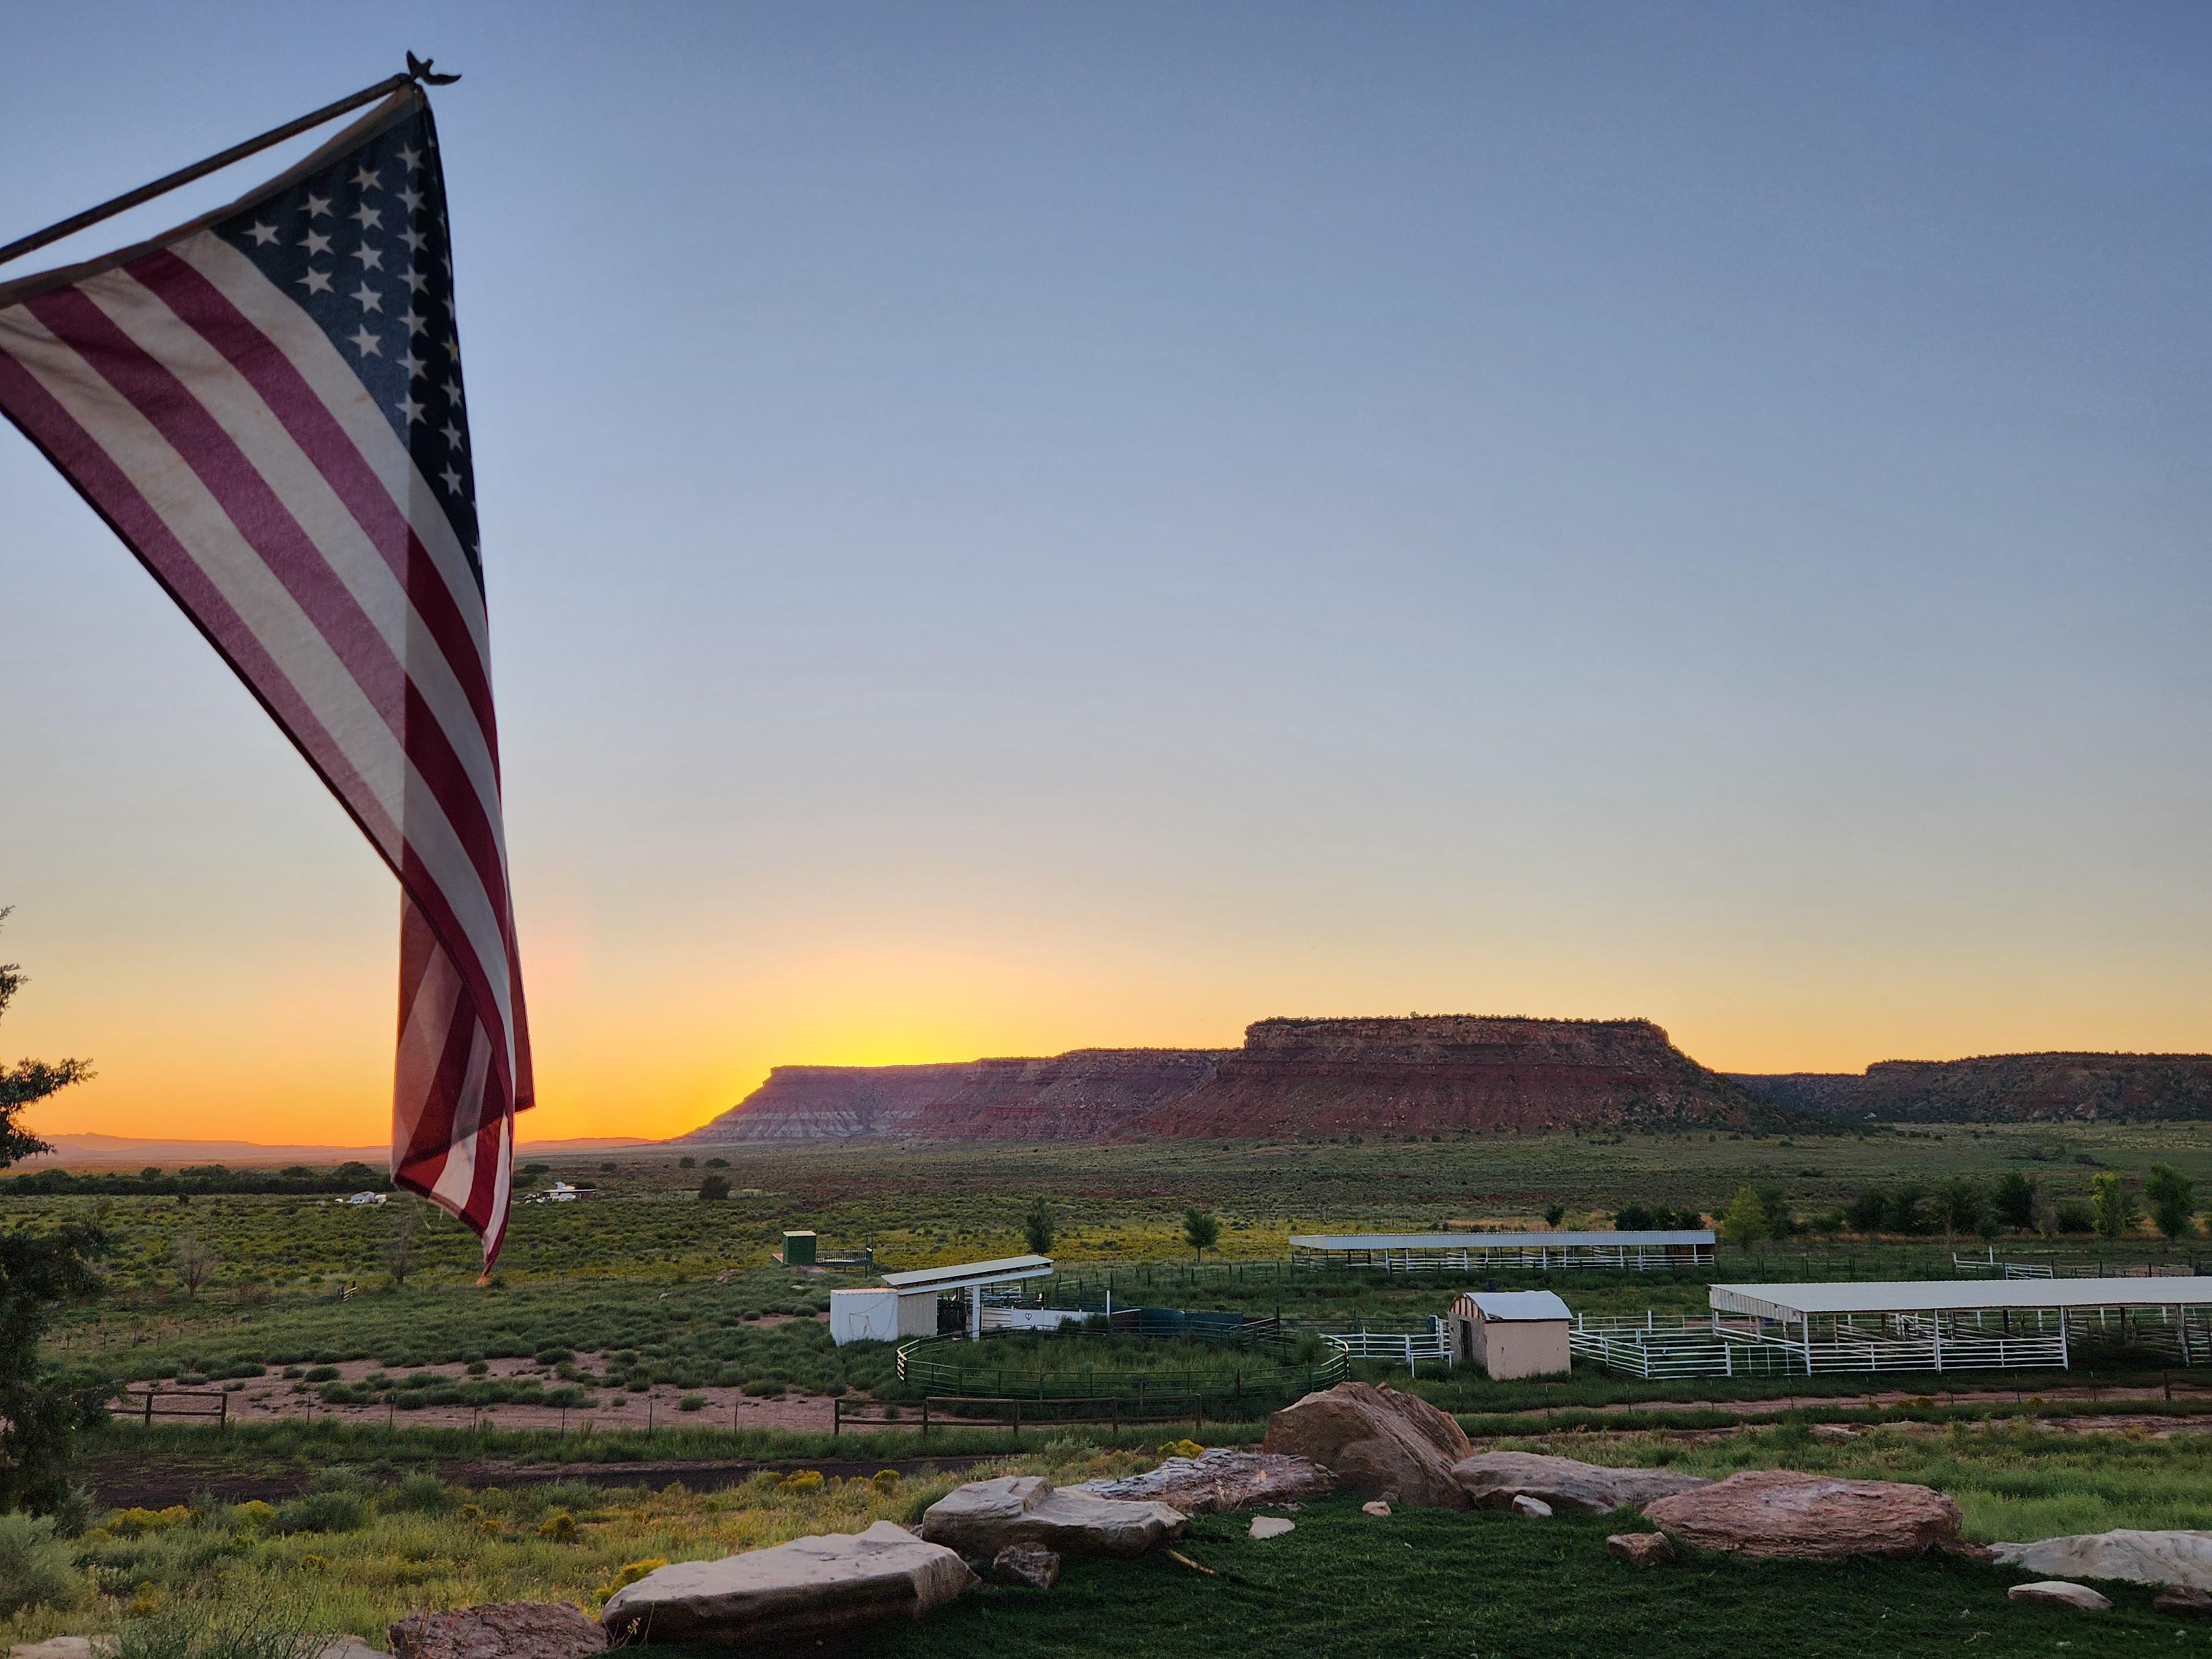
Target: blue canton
[362, 248]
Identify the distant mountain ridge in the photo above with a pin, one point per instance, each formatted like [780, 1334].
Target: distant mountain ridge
[2000, 1089]
[86, 1149]
[1413, 1074]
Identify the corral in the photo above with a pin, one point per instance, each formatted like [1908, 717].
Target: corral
[1638, 1252]
[1940, 1325]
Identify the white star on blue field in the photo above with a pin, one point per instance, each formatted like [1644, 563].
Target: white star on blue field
[363, 247]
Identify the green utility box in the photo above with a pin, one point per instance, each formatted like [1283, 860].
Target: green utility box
[798, 1249]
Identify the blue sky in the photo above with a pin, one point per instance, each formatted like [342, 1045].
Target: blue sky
[1016, 527]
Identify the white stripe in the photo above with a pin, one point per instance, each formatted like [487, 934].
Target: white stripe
[366, 745]
[231, 400]
[328, 375]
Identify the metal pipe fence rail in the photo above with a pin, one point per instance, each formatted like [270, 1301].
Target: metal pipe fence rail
[170, 1402]
[1408, 1348]
[1534, 1256]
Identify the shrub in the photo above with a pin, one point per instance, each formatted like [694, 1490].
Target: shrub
[267, 1626]
[692, 1402]
[36, 1569]
[884, 1480]
[420, 1493]
[562, 1527]
[803, 1480]
[322, 1374]
[713, 1187]
[322, 1511]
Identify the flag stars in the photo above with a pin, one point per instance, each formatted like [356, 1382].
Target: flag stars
[416, 281]
[318, 205]
[410, 198]
[370, 218]
[316, 282]
[371, 258]
[366, 180]
[453, 480]
[367, 298]
[414, 239]
[409, 157]
[411, 410]
[453, 435]
[263, 234]
[366, 343]
[413, 364]
[315, 242]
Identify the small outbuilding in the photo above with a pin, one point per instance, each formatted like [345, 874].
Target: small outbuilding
[906, 1304]
[1513, 1333]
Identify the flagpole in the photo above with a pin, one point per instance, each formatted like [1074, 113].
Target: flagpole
[77, 221]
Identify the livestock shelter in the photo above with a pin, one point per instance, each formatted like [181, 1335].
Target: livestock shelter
[905, 1305]
[1512, 1334]
[1413, 1253]
[1926, 1325]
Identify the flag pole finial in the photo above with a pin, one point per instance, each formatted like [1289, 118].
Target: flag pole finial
[418, 68]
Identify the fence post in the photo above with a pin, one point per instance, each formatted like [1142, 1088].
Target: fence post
[149, 1406]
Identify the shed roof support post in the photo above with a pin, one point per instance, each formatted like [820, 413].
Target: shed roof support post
[975, 1312]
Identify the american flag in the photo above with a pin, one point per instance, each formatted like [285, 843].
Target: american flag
[266, 405]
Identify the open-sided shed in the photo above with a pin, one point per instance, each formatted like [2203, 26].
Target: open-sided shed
[905, 1305]
[1911, 1325]
[1468, 1252]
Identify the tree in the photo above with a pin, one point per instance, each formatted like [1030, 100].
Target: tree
[1781, 1219]
[2013, 1201]
[714, 1188]
[399, 1241]
[2172, 1198]
[1554, 1214]
[1906, 1205]
[1868, 1212]
[1201, 1228]
[39, 1271]
[195, 1263]
[2112, 1207]
[1632, 1218]
[1957, 1206]
[687, 1163]
[1743, 1224]
[1038, 1227]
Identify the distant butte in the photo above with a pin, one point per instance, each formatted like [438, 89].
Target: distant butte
[1421, 1074]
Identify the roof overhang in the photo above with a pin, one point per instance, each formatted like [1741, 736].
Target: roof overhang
[961, 1276]
[1792, 1303]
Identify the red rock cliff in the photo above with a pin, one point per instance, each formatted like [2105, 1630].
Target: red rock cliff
[1419, 1075]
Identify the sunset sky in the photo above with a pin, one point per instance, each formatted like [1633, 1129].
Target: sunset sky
[1012, 528]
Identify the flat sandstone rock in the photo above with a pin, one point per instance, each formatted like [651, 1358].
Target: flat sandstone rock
[982, 1517]
[1220, 1479]
[1376, 1441]
[809, 1590]
[499, 1630]
[1783, 1515]
[2056, 1593]
[1492, 1480]
[1270, 1526]
[2140, 1557]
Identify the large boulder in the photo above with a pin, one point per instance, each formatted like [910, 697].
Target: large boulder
[984, 1517]
[1781, 1514]
[2140, 1557]
[1376, 1441]
[1492, 1480]
[1221, 1480]
[499, 1630]
[806, 1590]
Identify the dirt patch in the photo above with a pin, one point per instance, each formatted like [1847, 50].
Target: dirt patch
[268, 1399]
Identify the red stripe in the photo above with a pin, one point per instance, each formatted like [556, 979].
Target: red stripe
[292, 557]
[264, 366]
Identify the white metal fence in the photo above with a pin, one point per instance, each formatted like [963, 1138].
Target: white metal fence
[1408, 1348]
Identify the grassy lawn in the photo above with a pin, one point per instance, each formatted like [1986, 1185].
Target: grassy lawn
[1426, 1584]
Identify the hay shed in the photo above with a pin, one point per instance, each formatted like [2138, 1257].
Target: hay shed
[1513, 1333]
